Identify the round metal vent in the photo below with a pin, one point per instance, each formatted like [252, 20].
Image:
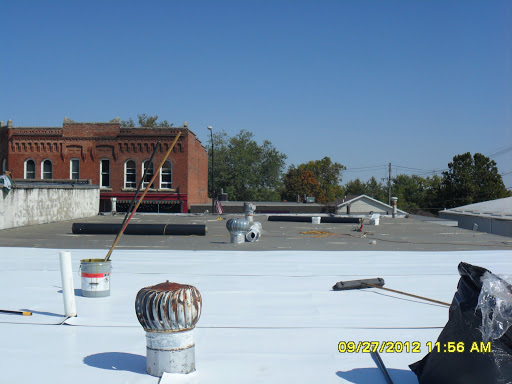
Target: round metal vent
[237, 225]
[168, 307]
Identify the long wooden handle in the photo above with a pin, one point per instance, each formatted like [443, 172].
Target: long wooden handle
[141, 198]
[407, 294]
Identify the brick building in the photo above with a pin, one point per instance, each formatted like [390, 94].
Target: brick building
[112, 157]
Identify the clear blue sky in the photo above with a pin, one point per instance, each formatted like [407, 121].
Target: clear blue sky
[365, 82]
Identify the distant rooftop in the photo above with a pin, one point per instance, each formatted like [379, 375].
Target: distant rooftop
[499, 208]
[68, 121]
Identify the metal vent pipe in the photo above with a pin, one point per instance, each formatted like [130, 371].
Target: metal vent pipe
[254, 232]
[249, 209]
[168, 312]
[237, 229]
[394, 200]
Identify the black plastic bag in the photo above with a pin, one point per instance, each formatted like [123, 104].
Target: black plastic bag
[463, 326]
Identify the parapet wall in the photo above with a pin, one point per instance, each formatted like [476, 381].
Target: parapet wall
[29, 205]
[480, 223]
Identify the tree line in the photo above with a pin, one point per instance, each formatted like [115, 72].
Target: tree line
[247, 171]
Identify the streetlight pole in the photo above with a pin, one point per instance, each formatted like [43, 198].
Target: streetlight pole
[210, 128]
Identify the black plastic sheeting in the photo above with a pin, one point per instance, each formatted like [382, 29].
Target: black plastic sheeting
[477, 367]
[140, 229]
[307, 219]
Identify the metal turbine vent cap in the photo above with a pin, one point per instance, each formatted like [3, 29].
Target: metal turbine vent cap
[237, 225]
[168, 307]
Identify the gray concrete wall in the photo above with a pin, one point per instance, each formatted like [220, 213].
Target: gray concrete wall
[485, 224]
[37, 205]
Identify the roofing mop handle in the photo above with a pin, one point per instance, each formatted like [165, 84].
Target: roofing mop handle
[23, 313]
[382, 367]
[141, 198]
[377, 283]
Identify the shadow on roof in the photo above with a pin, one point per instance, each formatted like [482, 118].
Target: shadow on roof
[117, 361]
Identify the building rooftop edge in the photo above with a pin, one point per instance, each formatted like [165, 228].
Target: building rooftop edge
[33, 127]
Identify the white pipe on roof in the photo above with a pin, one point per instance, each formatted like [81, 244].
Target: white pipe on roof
[68, 289]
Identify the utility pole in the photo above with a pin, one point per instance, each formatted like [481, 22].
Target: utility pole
[389, 185]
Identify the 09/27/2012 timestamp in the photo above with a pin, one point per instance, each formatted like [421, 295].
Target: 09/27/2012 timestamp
[412, 347]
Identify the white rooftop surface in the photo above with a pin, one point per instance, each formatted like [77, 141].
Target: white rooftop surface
[498, 207]
[268, 317]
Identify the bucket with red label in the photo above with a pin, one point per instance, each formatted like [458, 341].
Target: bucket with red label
[95, 276]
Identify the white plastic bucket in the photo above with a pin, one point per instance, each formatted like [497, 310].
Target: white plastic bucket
[95, 276]
[315, 219]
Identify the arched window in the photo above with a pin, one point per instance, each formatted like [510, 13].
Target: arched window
[46, 169]
[149, 174]
[4, 165]
[30, 169]
[166, 175]
[130, 174]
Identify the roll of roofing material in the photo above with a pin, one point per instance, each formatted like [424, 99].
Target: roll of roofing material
[140, 229]
[350, 220]
[295, 219]
[308, 219]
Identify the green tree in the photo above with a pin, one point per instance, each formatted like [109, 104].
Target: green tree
[376, 190]
[299, 182]
[326, 173]
[355, 187]
[471, 179]
[245, 169]
[146, 122]
[410, 190]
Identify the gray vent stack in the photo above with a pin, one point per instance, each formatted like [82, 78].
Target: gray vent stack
[168, 312]
[394, 200]
[249, 209]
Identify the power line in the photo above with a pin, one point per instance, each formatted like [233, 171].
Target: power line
[501, 151]
[368, 167]
[414, 169]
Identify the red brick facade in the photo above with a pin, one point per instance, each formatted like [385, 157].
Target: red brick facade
[26, 150]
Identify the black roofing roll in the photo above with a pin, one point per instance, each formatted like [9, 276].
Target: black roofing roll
[340, 220]
[140, 229]
[307, 219]
[296, 219]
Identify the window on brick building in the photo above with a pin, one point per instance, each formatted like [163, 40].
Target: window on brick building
[166, 175]
[104, 173]
[130, 174]
[74, 169]
[149, 174]
[30, 169]
[4, 165]
[46, 169]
